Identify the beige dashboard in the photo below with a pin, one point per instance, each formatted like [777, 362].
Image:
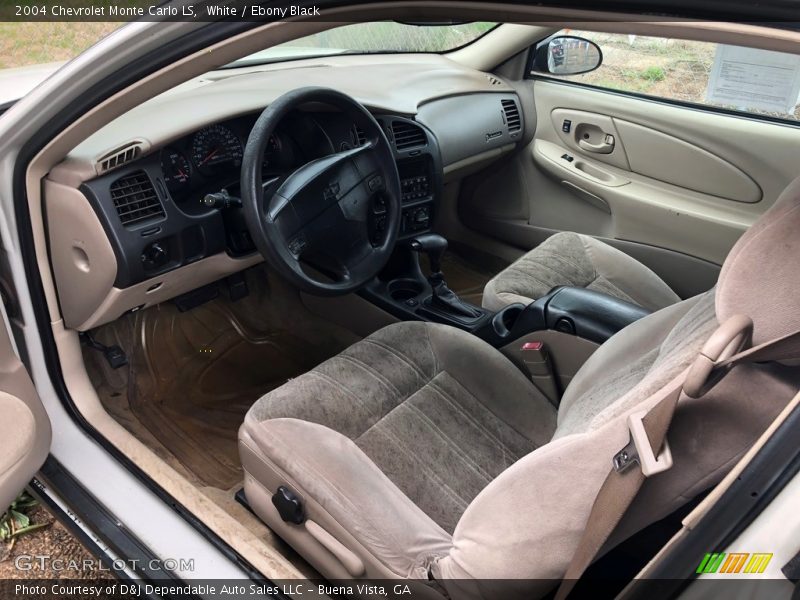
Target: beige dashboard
[84, 262]
[392, 83]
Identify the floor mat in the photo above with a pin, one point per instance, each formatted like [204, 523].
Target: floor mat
[192, 376]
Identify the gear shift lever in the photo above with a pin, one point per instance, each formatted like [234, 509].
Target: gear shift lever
[443, 298]
[434, 246]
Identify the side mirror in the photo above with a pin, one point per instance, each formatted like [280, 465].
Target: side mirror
[567, 55]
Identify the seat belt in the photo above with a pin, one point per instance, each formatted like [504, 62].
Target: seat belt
[722, 352]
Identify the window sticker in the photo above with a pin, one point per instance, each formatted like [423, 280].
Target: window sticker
[750, 79]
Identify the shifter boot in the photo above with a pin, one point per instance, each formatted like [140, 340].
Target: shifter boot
[448, 301]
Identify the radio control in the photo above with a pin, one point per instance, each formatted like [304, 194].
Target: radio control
[419, 190]
[416, 219]
[415, 188]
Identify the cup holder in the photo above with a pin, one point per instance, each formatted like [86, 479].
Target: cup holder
[401, 290]
[504, 321]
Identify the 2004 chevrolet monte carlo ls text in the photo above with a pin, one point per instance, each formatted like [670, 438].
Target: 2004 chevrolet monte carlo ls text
[188, 11]
[422, 299]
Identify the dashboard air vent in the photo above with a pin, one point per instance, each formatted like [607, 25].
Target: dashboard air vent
[408, 135]
[120, 156]
[359, 137]
[513, 118]
[135, 199]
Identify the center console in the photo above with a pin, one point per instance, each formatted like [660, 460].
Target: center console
[576, 311]
[418, 190]
[419, 165]
[548, 339]
[404, 291]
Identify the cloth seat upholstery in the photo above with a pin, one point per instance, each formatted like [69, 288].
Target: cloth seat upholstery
[577, 260]
[429, 456]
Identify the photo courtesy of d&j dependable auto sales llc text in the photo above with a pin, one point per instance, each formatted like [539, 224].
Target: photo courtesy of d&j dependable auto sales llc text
[409, 299]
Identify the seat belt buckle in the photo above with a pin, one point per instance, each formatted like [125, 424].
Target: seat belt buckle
[539, 366]
[639, 451]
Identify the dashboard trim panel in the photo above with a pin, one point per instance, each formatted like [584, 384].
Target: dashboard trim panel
[183, 238]
[166, 287]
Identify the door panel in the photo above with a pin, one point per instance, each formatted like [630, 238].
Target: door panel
[671, 160]
[24, 427]
[681, 182]
[649, 211]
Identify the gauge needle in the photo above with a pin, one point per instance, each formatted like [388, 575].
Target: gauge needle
[209, 157]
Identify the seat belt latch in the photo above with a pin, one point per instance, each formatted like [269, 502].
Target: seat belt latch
[639, 451]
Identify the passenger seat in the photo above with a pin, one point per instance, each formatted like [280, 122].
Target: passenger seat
[577, 260]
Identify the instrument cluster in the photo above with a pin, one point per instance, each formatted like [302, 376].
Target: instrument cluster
[211, 159]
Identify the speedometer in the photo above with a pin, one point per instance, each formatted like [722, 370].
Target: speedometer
[215, 149]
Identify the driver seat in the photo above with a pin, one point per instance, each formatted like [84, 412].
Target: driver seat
[422, 453]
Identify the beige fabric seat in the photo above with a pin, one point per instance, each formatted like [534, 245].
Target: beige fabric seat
[577, 260]
[423, 453]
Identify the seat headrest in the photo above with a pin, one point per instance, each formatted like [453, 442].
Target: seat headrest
[761, 276]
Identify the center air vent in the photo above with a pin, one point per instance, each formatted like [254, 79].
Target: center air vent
[513, 118]
[407, 135]
[135, 199]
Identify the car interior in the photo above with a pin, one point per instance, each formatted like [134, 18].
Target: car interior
[387, 315]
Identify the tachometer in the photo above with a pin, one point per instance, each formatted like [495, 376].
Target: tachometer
[176, 169]
[216, 148]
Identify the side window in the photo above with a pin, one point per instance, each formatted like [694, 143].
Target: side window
[758, 82]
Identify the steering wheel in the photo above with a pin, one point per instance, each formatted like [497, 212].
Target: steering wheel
[339, 213]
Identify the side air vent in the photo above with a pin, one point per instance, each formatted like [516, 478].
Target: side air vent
[120, 156]
[513, 118]
[359, 137]
[407, 135]
[135, 199]
[493, 80]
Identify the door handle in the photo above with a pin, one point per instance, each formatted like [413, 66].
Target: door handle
[604, 147]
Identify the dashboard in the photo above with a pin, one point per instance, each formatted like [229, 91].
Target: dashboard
[160, 214]
[128, 223]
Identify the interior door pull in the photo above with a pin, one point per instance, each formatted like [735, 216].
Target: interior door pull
[605, 147]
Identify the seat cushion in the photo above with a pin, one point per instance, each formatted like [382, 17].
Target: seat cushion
[577, 260]
[439, 411]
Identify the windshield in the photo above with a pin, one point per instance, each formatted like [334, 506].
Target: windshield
[369, 38]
